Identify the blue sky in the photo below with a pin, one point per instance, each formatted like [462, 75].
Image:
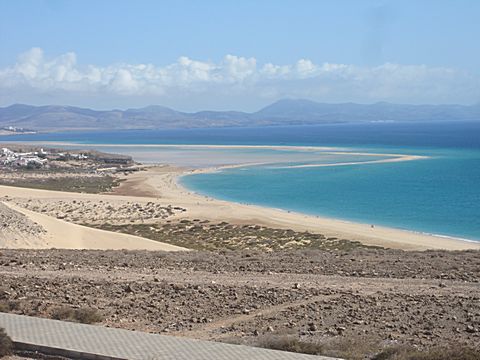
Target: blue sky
[238, 54]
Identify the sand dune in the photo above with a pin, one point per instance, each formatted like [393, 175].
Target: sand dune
[17, 230]
[63, 235]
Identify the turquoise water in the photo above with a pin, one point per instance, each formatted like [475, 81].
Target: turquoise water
[438, 195]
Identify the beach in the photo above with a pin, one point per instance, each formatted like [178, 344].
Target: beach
[162, 183]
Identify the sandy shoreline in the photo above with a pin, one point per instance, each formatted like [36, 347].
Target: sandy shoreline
[160, 184]
[163, 183]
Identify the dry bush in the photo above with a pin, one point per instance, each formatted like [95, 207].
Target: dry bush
[82, 315]
[88, 316]
[360, 348]
[63, 313]
[452, 352]
[4, 307]
[291, 344]
[352, 347]
[9, 306]
[5, 344]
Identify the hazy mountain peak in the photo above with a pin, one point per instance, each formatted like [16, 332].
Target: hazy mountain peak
[151, 109]
[282, 112]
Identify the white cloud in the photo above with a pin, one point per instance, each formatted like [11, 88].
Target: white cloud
[305, 68]
[123, 82]
[238, 82]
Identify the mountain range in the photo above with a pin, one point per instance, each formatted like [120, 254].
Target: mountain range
[282, 112]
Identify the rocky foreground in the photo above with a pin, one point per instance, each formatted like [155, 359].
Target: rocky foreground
[368, 298]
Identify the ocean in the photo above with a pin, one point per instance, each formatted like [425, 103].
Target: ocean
[437, 195]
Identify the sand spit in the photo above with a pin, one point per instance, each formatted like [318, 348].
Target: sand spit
[398, 158]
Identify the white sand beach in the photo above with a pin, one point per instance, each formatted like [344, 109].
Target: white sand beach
[162, 183]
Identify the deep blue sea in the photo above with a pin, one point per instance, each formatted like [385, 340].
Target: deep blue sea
[438, 195]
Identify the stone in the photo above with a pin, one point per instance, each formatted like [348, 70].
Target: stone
[471, 329]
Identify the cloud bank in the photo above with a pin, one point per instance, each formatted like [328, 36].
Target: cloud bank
[235, 82]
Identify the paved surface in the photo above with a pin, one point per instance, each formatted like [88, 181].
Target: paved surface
[96, 342]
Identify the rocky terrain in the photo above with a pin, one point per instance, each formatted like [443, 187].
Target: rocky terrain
[376, 297]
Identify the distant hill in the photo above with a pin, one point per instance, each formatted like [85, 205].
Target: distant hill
[283, 112]
[305, 111]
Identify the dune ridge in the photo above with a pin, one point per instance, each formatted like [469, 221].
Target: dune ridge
[64, 235]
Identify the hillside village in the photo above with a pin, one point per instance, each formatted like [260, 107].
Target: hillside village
[35, 159]
[25, 165]
[13, 130]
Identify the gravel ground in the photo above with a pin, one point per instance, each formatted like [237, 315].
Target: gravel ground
[386, 296]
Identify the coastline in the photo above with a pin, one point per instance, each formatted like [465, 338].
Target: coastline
[162, 182]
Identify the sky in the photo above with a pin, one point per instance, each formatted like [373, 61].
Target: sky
[238, 55]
